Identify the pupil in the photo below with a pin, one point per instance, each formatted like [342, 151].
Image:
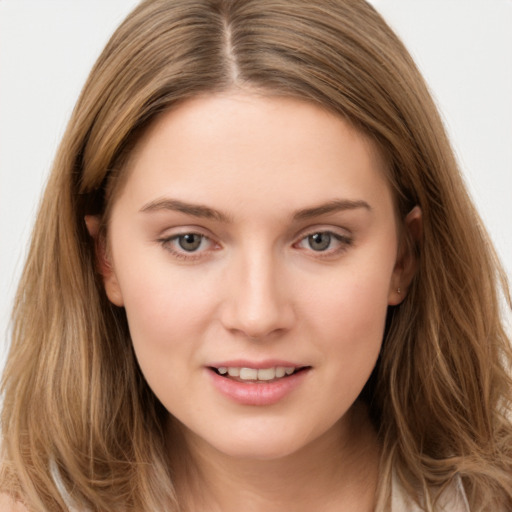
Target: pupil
[189, 242]
[320, 241]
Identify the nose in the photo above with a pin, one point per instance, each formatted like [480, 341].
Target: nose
[257, 302]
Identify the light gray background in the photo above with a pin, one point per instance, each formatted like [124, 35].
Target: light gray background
[463, 47]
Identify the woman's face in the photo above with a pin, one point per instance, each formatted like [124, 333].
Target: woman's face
[254, 237]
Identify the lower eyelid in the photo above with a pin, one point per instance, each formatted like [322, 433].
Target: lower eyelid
[341, 244]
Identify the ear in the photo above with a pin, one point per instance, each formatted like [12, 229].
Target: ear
[406, 263]
[103, 260]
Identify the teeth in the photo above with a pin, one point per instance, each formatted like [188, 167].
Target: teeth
[256, 374]
[280, 372]
[248, 374]
[234, 372]
[266, 373]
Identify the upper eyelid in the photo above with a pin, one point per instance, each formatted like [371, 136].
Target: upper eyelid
[175, 236]
[177, 231]
[335, 235]
[345, 238]
[182, 233]
[335, 230]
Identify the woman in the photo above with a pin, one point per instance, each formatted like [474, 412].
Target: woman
[248, 282]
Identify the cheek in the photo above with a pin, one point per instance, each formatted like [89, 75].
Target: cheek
[355, 302]
[356, 330]
[167, 319]
[353, 334]
[347, 320]
[166, 311]
[367, 306]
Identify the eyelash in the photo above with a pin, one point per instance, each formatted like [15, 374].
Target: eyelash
[182, 253]
[343, 242]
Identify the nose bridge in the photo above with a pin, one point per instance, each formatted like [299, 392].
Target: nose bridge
[258, 303]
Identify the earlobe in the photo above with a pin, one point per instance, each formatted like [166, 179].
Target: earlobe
[407, 260]
[103, 263]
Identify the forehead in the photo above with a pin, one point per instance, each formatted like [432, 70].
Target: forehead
[247, 147]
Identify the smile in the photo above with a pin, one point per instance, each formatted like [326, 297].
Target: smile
[257, 386]
[256, 374]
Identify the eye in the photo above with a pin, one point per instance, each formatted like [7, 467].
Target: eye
[326, 242]
[190, 242]
[188, 245]
[319, 241]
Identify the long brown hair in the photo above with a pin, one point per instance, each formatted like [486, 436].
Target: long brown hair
[80, 424]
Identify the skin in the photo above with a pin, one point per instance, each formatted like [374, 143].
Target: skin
[258, 287]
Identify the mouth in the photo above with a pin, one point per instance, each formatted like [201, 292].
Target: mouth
[257, 383]
[255, 375]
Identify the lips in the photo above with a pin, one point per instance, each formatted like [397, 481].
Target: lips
[257, 383]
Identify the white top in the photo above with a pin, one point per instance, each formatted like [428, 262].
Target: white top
[453, 499]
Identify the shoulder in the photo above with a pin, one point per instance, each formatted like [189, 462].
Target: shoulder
[7, 504]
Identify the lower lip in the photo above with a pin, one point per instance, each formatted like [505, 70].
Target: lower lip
[257, 393]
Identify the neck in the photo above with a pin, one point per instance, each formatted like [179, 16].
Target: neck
[338, 471]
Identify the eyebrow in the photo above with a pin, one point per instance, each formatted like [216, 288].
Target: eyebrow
[196, 210]
[336, 205]
[202, 211]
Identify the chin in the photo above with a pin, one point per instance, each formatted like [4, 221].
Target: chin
[262, 444]
[262, 451]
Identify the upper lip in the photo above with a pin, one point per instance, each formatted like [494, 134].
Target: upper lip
[244, 363]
